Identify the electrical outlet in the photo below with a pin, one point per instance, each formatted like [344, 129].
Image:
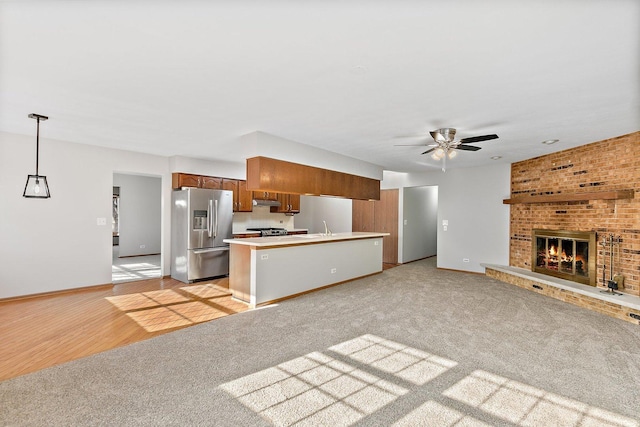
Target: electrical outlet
[333, 271]
[465, 259]
[376, 243]
[264, 256]
[143, 246]
[101, 221]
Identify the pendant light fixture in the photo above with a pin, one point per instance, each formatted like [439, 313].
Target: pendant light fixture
[36, 186]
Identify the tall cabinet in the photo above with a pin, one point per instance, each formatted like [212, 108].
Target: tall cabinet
[379, 216]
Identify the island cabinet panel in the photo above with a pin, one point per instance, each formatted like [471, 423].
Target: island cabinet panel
[278, 176]
[239, 272]
[269, 269]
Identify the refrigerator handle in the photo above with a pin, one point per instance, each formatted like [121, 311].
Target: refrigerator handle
[209, 215]
[215, 229]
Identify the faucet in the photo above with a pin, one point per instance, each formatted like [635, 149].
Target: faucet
[327, 232]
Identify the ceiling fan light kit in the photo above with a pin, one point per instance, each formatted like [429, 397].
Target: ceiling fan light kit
[445, 145]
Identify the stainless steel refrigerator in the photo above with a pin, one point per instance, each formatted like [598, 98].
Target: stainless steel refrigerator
[200, 220]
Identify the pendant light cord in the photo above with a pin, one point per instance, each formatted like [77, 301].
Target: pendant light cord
[37, 144]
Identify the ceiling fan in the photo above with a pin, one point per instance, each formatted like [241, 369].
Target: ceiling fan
[445, 146]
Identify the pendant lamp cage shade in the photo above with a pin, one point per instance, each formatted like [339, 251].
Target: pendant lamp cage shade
[37, 186]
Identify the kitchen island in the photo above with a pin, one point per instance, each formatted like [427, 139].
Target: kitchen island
[268, 269]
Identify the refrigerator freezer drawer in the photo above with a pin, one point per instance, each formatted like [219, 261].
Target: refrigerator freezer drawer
[204, 263]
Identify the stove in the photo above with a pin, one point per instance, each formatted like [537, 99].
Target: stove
[265, 232]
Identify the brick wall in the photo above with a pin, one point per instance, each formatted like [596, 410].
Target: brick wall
[612, 164]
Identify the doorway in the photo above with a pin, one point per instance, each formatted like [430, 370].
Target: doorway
[136, 227]
[420, 222]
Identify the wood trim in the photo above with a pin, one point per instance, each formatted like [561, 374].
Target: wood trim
[60, 292]
[576, 197]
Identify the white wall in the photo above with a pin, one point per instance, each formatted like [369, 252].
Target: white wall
[471, 200]
[55, 244]
[267, 145]
[419, 222]
[208, 167]
[140, 214]
[315, 209]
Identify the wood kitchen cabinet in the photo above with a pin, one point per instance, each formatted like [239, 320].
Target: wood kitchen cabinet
[245, 197]
[242, 199]
[179, 180]
[379, 216]
[278, 176]
[289, 203]
[265, 195]
[362, 215]
[211, 182]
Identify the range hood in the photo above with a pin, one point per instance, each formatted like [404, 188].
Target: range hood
[265, 202]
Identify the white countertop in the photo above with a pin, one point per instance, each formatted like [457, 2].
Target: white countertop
[297, 239]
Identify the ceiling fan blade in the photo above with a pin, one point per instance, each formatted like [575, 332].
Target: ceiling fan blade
[415, 145]
[478, 138]
[467, 148]
[428, 151]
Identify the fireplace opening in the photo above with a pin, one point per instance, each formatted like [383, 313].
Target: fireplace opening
[569, 255]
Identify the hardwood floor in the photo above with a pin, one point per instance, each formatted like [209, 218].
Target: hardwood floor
[44, 331]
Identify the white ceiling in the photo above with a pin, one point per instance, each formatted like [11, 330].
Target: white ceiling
[190, 77]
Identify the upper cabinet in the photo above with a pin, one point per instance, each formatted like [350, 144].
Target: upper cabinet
[278, 176]
[265, 195]
[242, 199]
[289, 204]
[245, 197]
[179, 180]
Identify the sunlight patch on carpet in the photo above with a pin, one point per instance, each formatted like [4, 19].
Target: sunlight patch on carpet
[525, 405]
[321, 388]
[318, 389]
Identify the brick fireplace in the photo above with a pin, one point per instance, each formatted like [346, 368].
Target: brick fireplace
[565, 254]
[594, 188]
[559, 201]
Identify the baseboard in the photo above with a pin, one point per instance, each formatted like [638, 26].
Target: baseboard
[60, 292]
[134, 256]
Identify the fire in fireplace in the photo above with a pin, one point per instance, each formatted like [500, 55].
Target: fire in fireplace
[568, 255]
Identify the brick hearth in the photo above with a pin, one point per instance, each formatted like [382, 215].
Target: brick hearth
[625, 307]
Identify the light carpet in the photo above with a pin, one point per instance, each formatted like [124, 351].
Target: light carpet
[410, 346]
